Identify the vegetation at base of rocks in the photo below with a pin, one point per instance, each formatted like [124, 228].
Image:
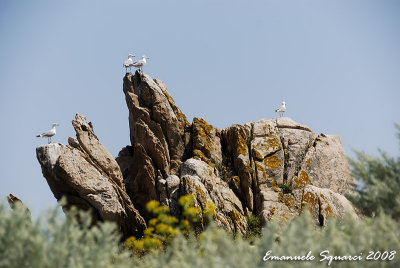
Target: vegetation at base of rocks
[286, 187]
[57, 240]
[250, 138]
[61, 241]
[381, 179]
[216, 248]
[162, 228]
[225, 169]
[254, 227]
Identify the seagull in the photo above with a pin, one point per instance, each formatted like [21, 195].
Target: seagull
[128, 63]
[140, 63]
[281, 109]
[49, 134]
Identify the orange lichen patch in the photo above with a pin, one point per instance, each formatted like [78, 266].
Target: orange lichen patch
[238, 142]
[288, 200]
[272, 162]
[274, 184]
[272, 213]
[237, 219]
[257, 154]
[260, 169]
[201, 194]
[280, 195]
[273, 143]
[270, 142]
[203, 137]
[236, 178]
[310, 200]
[325, 206]
[302, 179]
[308, 161]
[197, 154]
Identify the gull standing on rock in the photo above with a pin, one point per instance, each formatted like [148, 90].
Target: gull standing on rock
[128, 63]
[49, 134]
[140, 63]
[281, 110]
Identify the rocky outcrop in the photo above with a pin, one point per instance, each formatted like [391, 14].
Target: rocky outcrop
[88, 176]
[199, 179]
[272, 168]
[266, 165]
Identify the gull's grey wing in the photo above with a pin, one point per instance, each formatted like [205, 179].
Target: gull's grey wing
[47, 134]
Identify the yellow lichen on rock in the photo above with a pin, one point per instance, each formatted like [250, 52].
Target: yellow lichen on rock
[205, 139]
[325, 206]
[197, 154]
[310, 200]
[302, 179]
[272, 162]
[288, 200]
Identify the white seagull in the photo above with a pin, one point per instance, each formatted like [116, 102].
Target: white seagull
[49, 134]
[140, 63]
[281, 109]
[128, 63]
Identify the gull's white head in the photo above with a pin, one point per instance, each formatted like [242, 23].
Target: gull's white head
[55, 125]
[283, 103]
[131, 56]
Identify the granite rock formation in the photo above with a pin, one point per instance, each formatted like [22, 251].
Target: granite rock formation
[88, 176]
[272, 168]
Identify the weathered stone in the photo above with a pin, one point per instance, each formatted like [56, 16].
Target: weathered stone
[73, 142]
[173, 182]
[141, 180]
[96, 150]
[324, 203]
[198, 178]
[272, 168]
[152, 96]
[90, 179]
[235, 140]
[327, 165]
[206, 144]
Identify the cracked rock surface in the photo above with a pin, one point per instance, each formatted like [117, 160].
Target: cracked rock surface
[272, 168]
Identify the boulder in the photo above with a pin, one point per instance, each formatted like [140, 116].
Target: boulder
[205, 142]
[199, 179]
[90, 179]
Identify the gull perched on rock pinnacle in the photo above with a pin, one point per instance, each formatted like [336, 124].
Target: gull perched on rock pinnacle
[140, 63]
[281, 109]
[49, 134]
[128, 63]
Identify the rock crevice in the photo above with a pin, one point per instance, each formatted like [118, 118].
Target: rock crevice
[272, 168]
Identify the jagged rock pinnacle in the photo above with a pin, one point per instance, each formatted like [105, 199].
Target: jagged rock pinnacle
[272, 168]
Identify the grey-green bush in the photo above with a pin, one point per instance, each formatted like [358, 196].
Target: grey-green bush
[352, 237]
[59, 241]
[381, 177]
[63, 242]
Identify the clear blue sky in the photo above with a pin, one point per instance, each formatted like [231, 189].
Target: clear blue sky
[335, 63]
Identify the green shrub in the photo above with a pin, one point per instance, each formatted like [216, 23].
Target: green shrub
[63, 242]
[381, 179]
[162, 228]
[57, 241]
[216, 248]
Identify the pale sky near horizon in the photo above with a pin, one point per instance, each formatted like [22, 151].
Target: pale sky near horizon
[335, 63]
